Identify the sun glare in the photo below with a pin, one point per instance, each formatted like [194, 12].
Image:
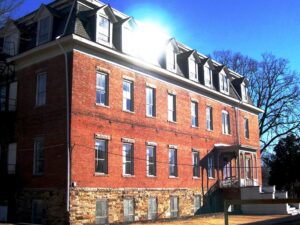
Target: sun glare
[151, 41]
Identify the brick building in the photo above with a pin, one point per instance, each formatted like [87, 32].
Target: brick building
[93, 133]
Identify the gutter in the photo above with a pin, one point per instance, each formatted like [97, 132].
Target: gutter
[67, 108]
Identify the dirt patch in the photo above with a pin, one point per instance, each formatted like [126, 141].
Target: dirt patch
[219, 220]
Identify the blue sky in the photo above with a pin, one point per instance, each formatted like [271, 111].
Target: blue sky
[251, 27]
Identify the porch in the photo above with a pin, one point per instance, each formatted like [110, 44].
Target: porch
[237, 166]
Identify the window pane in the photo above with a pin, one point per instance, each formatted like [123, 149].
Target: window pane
[127, 95]
[41, 89]
[44, 29]
[38, 167]
[170, 58]
[128, 210]
[103, 29]
[101, 212]
[197, 203]
[128, 159]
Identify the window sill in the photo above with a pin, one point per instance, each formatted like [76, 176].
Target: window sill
[100, 175]
[226, 134]
[171, 121]
[39, 106]
[173, 177]
[211, 178]
[37, 174]
[196, 127]
[151, 176]
[101, 105]
[151, 117]
[128, 176]
[105, 43]
[196, 178]
[127, 111]
[209, 130]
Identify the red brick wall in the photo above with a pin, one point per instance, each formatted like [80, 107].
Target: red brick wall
[88, 119]
[48, 121]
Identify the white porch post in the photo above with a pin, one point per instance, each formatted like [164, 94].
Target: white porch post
[239, 168]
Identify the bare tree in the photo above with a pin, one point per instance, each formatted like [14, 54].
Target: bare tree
[273, 88]
[7, 7]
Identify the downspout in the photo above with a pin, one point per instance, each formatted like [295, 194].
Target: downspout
[68, 107]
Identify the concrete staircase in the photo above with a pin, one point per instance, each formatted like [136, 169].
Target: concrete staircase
[267, 193]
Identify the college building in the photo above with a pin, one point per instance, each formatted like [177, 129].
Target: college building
[94, 133]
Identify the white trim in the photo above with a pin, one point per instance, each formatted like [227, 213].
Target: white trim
[150, 143]
[173, 147]
[110, 37]
[128, 78]
[103, 136]
[127, 140]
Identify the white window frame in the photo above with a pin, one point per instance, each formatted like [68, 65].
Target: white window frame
[174, 211]
[244, 92]
[171, 58]
[150, 105]
[209, 118]
[99, 34]
[210, 167]
[41, 91]
[152, 211]
[171, 107]
[126, 203]
[173, 164]
[38, 158]
[50, 29]
[102, 90]
[125, 161]
[11, 37]
[225, 122]
[127, 96]
[104, 218]
[224, 83]
[196, 164]
[193, 64]
[208, 79]
[104, 143]
[246, 128]
[153, 149]
[194, 114]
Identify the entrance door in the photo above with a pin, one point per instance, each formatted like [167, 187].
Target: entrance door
[248, 168]
[226, 169]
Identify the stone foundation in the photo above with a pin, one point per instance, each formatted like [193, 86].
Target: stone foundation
[54, 205]
[83, 203]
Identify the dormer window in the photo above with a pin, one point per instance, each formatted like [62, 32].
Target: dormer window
[44, 30]
[224, 83]
[103, 30]
[170, 59]
[128, 37]
[208, 76]
[244, 92]
[193, 69]
[11, 44]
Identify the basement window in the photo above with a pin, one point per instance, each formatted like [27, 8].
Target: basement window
[128, 210]
[101, 211]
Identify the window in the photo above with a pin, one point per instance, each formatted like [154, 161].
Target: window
[41, 89]
[194, 114]
[128, 159]
[151, 161]
[101, 156]
[197, 204]
[174, 207]
[225, 122]
[128, 210]
[11, 44]
[103, 29]
[37, 211]
[170, 59]
[2, 98]
[210, 165]
[101, 89]
[127, 95]
[193, 69]
[38, 156]
[196, 164]
[244, 91]
[208, 76]
[246, 127]
[209, 118]
[224, 83]
[128, 43]
[172, 107]
[150, 101]
[101, 211]
[11, 158]
[152, 208]
[44, 30]
[173, 170]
